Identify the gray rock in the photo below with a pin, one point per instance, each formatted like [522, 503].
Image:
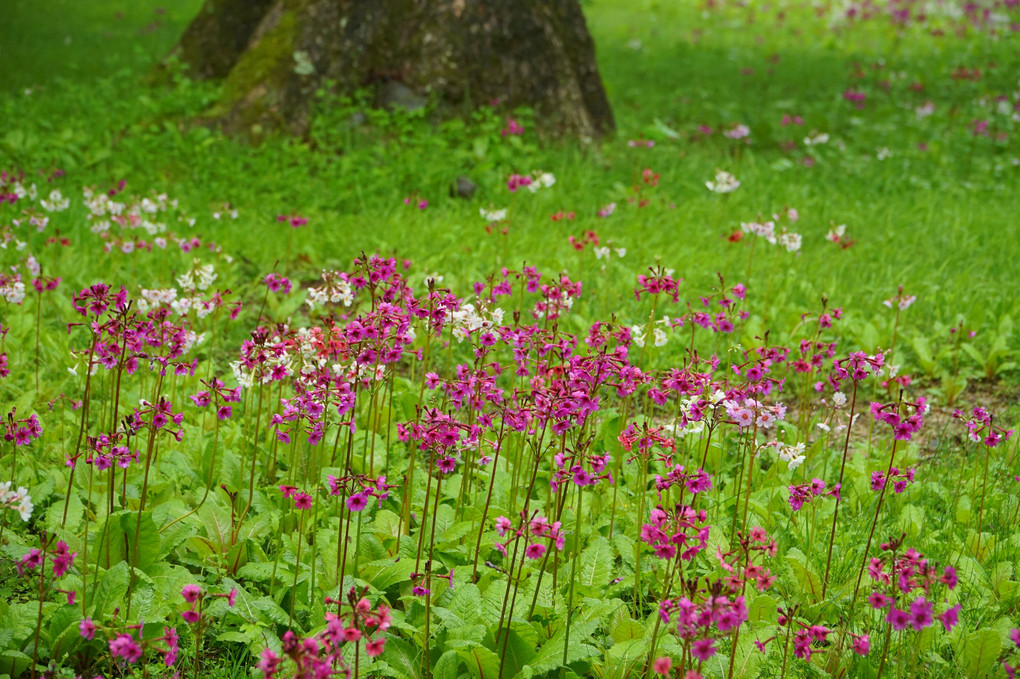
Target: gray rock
[463, 187]
[395, 94]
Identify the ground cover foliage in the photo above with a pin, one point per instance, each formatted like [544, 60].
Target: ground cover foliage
[730, 394]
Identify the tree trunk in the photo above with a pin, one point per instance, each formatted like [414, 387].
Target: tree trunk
[275, 54]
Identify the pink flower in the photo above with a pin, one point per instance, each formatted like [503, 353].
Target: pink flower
[191, 593]
[502, 525]
[232, 597]
[879, 600]
[375, 647]
[662, 666]
[302, 501]
[190, 616]
[703, 649]
[862, 645]
[898, 619]
[357, 502]
[269, 663]
[125, 647]
[87, 628]
[920, 613]
[952, 616]
[535, 551]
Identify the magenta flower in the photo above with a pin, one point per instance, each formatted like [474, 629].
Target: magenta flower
[951, 617]
[535, 551]
[87, 628]
[920, 613]
[124, 646]
[703, 649]
[898, 619]
[357, 502]
[879, 600]
[191, 593]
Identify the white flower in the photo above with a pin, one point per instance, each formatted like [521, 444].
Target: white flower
[839, 399]
[925, 109]
[737, 132]
[816, 139]
[601, 252]
[883, 153]
[621, 252]
[724, 183]
[56, 202]
[637, 335]
[25, 507]
[542, 180]
[794, 455]
[493, 215]
[660, 337]
[790, 240]
[835, 233]
[766, 230]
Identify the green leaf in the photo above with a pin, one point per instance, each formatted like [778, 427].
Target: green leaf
[272, 611]
[110, 591]
[62, 630]
[448, 666]
[384, 574]
[403, 658]
[595, 566]
[980, 651]
[809, 581]
[13, 663]
[466, 604]
[144, 550]
[480, 661]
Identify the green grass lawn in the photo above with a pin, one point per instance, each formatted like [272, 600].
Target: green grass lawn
[936, 221]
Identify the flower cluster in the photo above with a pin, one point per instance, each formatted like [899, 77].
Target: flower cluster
[899, 479]
[980, 428]
[22, 432]
[806, 492]
[724, 182]
[897, 576]
[325, 654]
[537, 531]
[682, 531]
[19, 500]
[896, 416]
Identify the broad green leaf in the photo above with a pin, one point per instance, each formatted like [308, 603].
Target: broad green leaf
[480, 661]
[594, 569]
[448, 666]
[110, 591]
[404, 658]
[980, 650]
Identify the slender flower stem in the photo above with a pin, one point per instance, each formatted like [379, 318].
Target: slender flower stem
[835, 511]
[573, 573]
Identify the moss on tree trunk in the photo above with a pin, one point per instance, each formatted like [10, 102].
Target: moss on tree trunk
[535, 53]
